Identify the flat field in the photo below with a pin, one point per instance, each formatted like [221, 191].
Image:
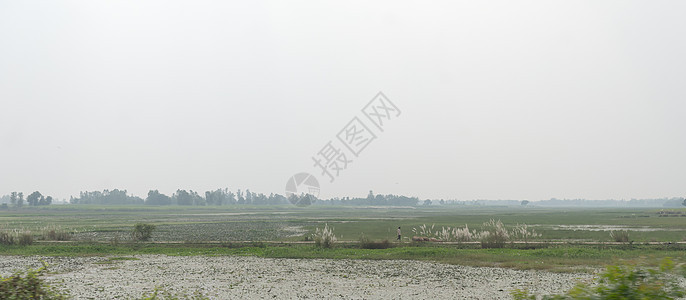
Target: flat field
[572, 239]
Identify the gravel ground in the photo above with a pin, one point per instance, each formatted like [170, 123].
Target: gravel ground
[234, 277]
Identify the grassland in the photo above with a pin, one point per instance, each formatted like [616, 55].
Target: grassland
[572, 239]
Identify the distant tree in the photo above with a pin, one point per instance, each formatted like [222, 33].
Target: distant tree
[248, 197]
[239, 194]
[157, 198]
[197, 199]
[20, 200]
[427, 202]
[182, 197]
[14, 198]
[34, 198]
[684, 203]
[46, 201]
[525, 202]
[231, 198]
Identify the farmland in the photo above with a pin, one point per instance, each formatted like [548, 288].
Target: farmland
[221, 242]
[569, 238]
[90, 223]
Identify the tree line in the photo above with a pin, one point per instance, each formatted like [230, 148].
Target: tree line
[222, 196]
[16, 199]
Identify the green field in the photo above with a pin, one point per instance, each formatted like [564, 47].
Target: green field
[571, 239]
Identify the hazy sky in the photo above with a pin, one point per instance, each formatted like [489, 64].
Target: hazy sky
[499, 99]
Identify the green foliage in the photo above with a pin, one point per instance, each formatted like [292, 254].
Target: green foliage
[28, 285]
[625, 282]
[161, 294]
[157, 198]
[142, 231]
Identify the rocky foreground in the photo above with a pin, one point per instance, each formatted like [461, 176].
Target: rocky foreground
[236, 277]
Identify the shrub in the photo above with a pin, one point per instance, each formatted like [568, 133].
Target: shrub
[494, 234]
[366, 243]
[624, 282]
[142, 231]
[522, 231]
[55, 233]
[28, 285]
[16, 237]
[25, 238]
[6, 238]
[324, 237]
[621, 236]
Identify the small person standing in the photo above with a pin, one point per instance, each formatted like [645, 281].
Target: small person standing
[399, 234]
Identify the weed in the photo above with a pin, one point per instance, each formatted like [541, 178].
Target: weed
[494, 234]
[142, 231]
[28, 285]
[624, 282]
[55, 233]
[621, 236]
[324, 238]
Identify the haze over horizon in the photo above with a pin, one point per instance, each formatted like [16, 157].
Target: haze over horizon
[498, 100]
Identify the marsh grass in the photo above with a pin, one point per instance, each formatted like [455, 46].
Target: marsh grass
[21, 237]
[620, 236]
[55, 233]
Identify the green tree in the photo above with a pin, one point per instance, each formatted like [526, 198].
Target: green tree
[34, 198]
[157, 198]
[46, 201]
[13, 198]
[20, 200]
[182, 197]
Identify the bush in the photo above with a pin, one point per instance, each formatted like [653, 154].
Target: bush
[142, 232]
[366, 243]
[28, 285]
[25, 239]
[55, 233]
[6, 238]
[624, 282]
[16, 237]
[324, 237]
[620, 236]
[494, 234]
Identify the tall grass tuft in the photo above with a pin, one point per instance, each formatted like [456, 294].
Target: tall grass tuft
[493, 234]
[16, 237]
[621, 236]
[524, 233]
[55, 233]
[324, 238]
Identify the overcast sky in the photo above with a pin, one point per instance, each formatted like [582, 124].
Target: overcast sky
[498, 99]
